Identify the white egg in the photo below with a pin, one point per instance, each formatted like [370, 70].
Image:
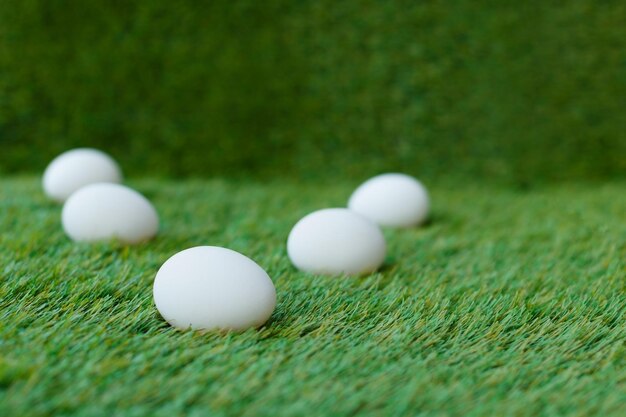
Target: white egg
[394, 200]
[213, 288]
[336, 241]
[109, 211]
[76, 168]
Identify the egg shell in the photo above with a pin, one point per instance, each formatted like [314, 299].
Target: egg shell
[74, 169]
[392, 200]
[109, 211]
[336, 241]
[213, 288]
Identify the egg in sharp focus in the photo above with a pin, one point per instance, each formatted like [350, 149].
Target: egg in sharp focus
[336, 241]
[213, 288]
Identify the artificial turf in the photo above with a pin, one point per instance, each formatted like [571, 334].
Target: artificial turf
[509, 302]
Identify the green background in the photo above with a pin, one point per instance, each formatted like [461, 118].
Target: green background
[518, 92]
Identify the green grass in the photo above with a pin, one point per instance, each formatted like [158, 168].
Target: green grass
[507, 303]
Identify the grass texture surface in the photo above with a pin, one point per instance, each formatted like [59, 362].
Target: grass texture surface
[507, 303]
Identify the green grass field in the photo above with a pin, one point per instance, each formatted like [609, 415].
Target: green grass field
[507, 303]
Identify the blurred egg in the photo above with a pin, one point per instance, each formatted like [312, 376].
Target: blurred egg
[394, 200]
[109, 211]
[76, 168]
[336, 241]
[213, 288]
